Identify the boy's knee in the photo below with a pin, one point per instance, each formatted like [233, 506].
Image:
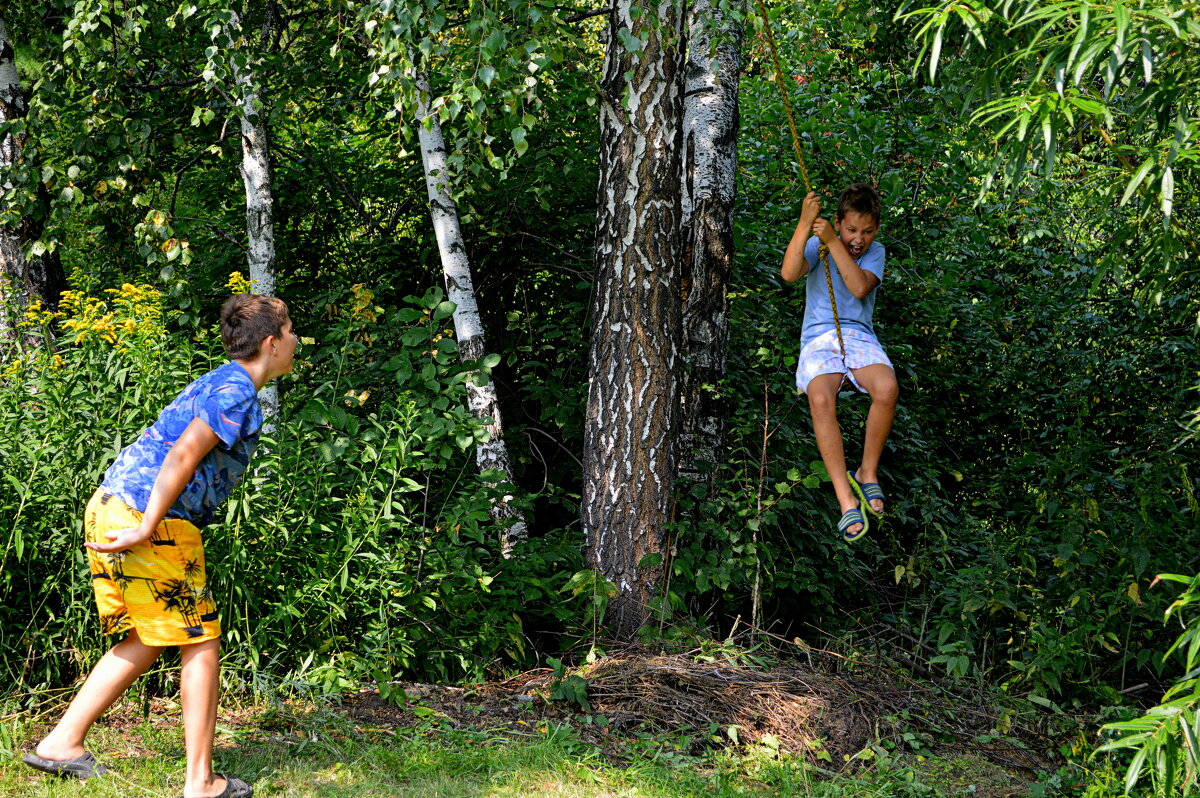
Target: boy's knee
[822, 404]
[886, 392]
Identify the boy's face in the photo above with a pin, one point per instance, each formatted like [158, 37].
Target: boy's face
[285, 349]
[857, 231]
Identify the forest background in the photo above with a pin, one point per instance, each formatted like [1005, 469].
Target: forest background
[1037, 168]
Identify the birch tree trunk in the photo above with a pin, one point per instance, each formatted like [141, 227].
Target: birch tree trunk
[628, 456]
[710, 125]
[260, 203]
[22, 280]
[490, 454]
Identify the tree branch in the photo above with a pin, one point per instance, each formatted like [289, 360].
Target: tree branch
[183, 83]
[214, 228]
[585, 15]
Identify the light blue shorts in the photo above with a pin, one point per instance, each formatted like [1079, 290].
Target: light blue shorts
[822, 355]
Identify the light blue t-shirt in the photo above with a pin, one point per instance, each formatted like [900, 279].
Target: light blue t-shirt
[226, 400]
[852, 312]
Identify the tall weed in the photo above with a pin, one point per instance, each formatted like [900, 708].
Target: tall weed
[358, 545]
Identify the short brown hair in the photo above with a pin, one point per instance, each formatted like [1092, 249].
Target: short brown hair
[247, 320]
[860, 198]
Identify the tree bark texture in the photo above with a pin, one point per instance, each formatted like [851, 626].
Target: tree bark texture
[22, 280]
[260, 202]
[710, 125]
[628, 456]
[490, 454]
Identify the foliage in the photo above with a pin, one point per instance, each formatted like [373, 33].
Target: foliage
[65, 413]
[1114, 84]
[361, 542]
[1166, 740]
[1043, 333]
[133, 130]
[1040, 391]
[487, 64]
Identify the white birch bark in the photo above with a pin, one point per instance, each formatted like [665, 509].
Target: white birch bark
[633, 392]
[710, 125]
[492, 453]
[260, 203]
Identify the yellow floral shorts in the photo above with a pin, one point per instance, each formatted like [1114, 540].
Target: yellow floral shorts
[159, 586]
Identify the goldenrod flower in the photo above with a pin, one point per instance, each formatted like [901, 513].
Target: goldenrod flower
[237, 284]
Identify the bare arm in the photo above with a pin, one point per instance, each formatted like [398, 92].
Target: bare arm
[794, 264]
[858, 281]
[177, 470]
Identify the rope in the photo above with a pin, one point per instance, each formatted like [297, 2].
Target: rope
[823, 250]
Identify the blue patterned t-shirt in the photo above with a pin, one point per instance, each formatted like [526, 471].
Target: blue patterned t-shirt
[226, 400]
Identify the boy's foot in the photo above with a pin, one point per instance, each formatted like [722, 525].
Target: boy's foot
[869, 493]
[853, 525]
[81, 767]
[234, 788]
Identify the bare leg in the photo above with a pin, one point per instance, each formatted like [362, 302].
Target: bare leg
[111, 677]
[822, 401]
[880, 382]
[200, 682]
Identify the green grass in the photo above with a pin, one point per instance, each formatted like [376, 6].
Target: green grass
[298, 751]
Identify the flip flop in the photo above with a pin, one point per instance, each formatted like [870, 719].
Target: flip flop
[234, 787]
[850, 518]
[81, 767]
[866, 492]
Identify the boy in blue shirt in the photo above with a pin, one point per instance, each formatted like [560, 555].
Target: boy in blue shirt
[857, 272]
[145, 549]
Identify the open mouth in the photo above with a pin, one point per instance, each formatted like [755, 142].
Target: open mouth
[855, 250]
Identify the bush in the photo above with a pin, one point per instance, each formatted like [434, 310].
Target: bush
[359, 544]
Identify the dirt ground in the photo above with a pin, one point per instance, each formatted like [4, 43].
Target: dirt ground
[828, 717]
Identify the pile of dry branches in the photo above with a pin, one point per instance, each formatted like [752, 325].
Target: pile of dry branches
[804, 712]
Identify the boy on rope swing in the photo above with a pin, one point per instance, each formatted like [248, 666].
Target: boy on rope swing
[142, 530]
[825, 361]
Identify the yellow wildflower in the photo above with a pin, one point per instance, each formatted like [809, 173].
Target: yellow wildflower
[237, 284]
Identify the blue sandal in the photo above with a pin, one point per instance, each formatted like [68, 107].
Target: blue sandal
[866, 492]
[850, 518]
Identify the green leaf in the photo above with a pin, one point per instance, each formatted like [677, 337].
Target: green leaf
[1168, 194]
[652, 560]
[444, 310]
[936, 51]
[631, 43]
[1121, 17]
[1138, 177]
[1135, 769]
[519, 142]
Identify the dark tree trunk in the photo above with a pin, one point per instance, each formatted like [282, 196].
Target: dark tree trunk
[628, 457]
[22, 281]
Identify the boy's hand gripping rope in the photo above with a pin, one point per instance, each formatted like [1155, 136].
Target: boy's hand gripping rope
[823, 250]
